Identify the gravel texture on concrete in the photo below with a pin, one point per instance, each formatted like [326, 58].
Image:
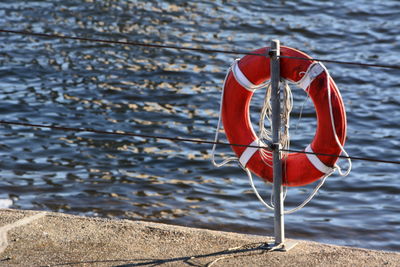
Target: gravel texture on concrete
[35, 238]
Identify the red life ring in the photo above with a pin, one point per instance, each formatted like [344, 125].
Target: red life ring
[298, 168]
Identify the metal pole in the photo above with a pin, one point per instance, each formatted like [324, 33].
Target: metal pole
[279, 227]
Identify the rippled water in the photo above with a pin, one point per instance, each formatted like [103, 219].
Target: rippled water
[176, 93]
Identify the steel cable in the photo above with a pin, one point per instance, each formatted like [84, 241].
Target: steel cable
[57, 36]
[189, 140]
[203, 50]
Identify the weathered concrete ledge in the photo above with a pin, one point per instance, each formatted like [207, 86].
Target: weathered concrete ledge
[32, 238]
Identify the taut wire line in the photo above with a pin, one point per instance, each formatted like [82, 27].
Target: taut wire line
[179, 139]
[152, 45]
[203, 50]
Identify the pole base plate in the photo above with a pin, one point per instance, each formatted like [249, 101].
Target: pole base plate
[282, 247]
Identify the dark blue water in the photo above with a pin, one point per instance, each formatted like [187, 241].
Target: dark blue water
[176, 93]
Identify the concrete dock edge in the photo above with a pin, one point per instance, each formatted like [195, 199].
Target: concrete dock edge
[37, 238]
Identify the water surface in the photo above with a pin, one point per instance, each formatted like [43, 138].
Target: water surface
[176, 93]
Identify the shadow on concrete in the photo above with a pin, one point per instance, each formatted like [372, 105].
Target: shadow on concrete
[243, 251]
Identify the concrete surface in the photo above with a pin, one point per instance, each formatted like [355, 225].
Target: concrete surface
[34, 238]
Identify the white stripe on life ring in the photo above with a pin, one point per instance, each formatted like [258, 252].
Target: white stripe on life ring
[242, 79]
[318, 164]
[312, 72]
[250, 151]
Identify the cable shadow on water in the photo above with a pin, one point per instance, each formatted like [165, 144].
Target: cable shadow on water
[241, 251]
